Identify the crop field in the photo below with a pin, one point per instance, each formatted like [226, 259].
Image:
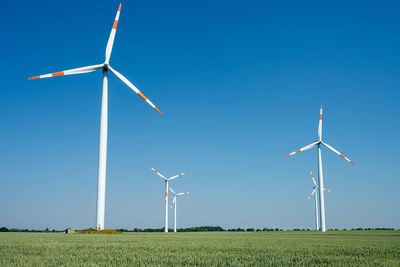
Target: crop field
[334, 248]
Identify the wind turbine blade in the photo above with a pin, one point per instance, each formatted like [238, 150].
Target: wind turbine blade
[162, 176]
[313, 192]
[173, 202]
[176, 176]
[125, 80]
[69, 72]
[112, 36]
[320, 124]
[337, 152]
[302, 149]
[327, 190]
[171, 190]
[180, 194]
[312, 176]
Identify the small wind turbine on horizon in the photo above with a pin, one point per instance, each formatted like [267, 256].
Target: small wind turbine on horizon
[101, 186]
[166, 193]
[318, 143]
[174, 202]
[316, 200]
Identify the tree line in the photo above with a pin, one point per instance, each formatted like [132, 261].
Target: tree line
[190, 229]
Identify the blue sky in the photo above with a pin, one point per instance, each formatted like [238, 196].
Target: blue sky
[240, 84]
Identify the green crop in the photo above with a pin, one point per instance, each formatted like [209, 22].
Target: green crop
[334, 248]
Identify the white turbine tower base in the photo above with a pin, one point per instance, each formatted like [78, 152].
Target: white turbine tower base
[166, 180]
[101, 178]
[318, 143]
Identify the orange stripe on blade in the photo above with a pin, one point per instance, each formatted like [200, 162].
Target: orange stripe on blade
[60, 73]
[320, 117]
[158, 110]
[115, 24]
[32, 78]
[297, 151]
[119, 9]
[142, 96]
[342, 156]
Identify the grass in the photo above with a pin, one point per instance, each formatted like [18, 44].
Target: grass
[334, 248]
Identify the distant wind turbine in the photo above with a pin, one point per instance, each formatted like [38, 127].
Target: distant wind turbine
[318, 143]
[174, 202]
[101, 185]
[166, 193]
[316, 200]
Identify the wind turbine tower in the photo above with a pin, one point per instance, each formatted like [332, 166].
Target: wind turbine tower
[166, 180]
[105, 67]
[318, 143]
[315, 192]
[174, 202]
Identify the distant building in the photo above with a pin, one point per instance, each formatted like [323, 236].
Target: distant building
[70, 231]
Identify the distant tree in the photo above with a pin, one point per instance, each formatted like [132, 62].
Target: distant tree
[4, 229]
[202, 229]
[122, 230]
[268, 229]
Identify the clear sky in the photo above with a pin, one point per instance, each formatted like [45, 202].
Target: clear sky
[240, 84]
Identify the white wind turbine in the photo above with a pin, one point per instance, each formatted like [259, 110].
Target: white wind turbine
[166, 193]
[318, 143]
[174, 202]
[316, 200]
[101, 186]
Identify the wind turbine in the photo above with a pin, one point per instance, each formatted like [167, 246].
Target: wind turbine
[318, 143]
[166, 193]
[101, 184]
[174, 202]
[316, 200]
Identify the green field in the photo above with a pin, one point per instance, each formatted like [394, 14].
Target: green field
[334, 248]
